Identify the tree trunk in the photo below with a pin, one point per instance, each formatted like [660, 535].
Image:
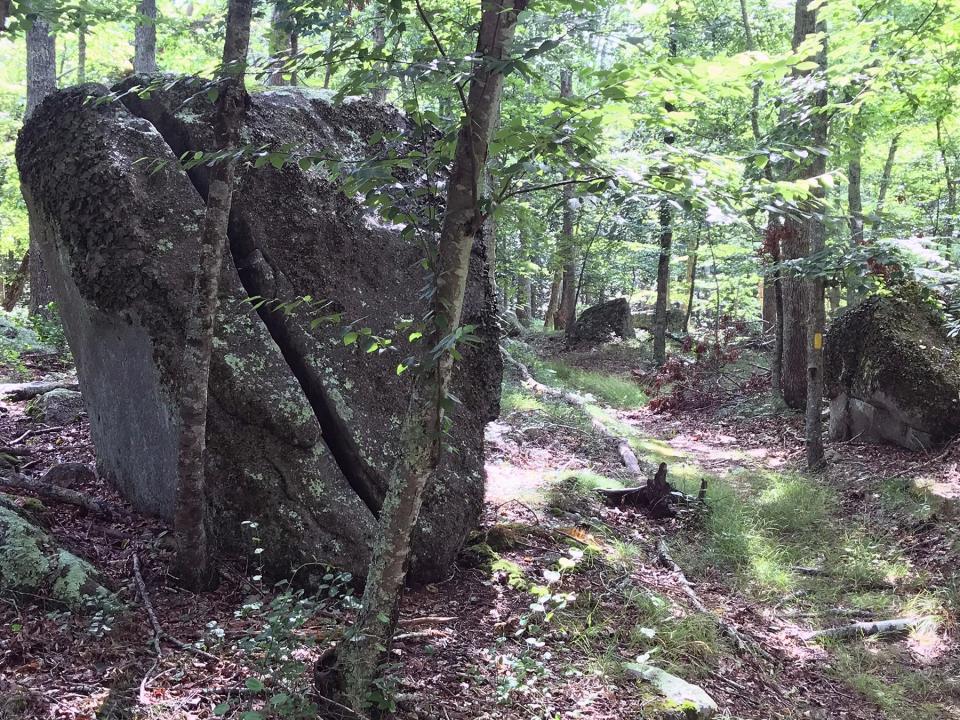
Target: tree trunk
[885, 183]
[950, 212]
[368, 642]
[145, 38]
[855, 199]
[280, 39]
[41, 81]
[567, 313]
[82, 53]
[794, 244]
[550, 316]
[379, 92]
[488, 233]
[666, 239]
[193, 563]
[814, 231]
[14, 289]
[691, 279]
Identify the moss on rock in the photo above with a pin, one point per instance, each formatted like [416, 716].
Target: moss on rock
[31, 563]
[892, 373]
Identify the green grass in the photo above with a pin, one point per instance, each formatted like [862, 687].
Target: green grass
[763, 526]
[611, 389]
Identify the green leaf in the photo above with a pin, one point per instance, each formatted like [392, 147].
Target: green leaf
[254, 684]
[350, 338]
[221, 709]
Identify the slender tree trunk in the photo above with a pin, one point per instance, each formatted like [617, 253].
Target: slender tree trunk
[145, 38]
[666, 240]
[193, 564]
[379, 91]
[328, 58]
[814, 231]
[82, 53]
[950, 212]
[556, 287]
[691, 279]
[279, 43]
[368, 643]
[567, 312]
[41, 81]
[885, 183]
[488, 234]
[4, 12]
[855, 199]
[14, 289]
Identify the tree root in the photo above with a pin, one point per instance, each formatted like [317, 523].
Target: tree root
[28, 391]
[64, 495]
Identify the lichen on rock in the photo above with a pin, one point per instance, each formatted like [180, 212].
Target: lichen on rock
[31, 563]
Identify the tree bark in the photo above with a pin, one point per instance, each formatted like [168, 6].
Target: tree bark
[567, 312]
[41, 81]
[666, 239]
[814, 230]
[795, 243]
[379, 92]
[855, 199]
[14, 289]
[279, 43]
[82, 53]
[885, 183]
[145, 38]
[951, 184]
[368, 642]
[193, 563]
[691, 279]
[556, 287]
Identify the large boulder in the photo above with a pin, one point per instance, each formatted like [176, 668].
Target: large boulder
[601, 323]
[302, 427]
[892, 375]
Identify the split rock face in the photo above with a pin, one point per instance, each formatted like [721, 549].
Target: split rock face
[892, 375]
[302, 429]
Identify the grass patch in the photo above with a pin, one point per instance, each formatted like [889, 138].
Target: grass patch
[763, 527]
[611, 389]
[514, 398]
[898, 498]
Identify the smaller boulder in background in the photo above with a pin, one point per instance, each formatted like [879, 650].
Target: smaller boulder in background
[602, 323]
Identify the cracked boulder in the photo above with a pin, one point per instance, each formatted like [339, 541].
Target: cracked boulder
[892, 375]
[302, 427]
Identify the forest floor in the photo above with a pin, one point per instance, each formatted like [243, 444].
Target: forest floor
[555, 591]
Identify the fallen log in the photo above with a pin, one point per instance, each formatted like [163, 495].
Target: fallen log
[897, 626]
[48, 491]
[29, 390]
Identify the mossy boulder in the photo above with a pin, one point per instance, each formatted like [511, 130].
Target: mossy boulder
[892, 374]
[59, 406]
[33, 565]
[604, 322]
